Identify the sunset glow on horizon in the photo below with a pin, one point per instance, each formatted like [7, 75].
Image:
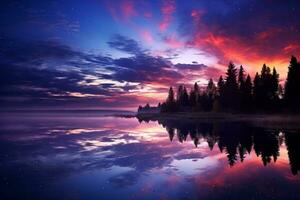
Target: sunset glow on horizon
[123, 53]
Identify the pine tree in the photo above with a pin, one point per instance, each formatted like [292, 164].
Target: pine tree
[241, 82]
[171, 98]
[275, 84]
[170, 104]
[210, 93]
[211, 88]
[179, 94]
[241, 77]
[196, 89]
[221, 84]
[194, 95]
[292, 85]
[185, 97]
[266, 78]
[231, 88]
[247, 94]
[257, 89]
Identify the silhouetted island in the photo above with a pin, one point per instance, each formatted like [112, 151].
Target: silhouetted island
[234, 94]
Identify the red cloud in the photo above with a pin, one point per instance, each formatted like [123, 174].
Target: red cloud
[272, 46]
[265, 47]
[167, 10]
[269, 34]
[291, 48]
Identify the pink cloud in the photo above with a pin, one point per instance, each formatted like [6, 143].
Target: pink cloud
[124, 10]
[128, 10]
[173, 42]
[196, 15]
[167, 11]
[147, 36]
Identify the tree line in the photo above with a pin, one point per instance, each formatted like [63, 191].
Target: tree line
[237, 92]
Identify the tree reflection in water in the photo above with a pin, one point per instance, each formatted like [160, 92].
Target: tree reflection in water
[237, 139]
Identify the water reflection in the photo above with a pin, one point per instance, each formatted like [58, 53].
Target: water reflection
[237, 139]
[67, 157]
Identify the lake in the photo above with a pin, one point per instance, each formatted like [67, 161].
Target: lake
[91, 155]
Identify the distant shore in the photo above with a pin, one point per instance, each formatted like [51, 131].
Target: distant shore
[210, 116]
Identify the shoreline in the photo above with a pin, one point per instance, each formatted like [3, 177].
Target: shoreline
[209, 116]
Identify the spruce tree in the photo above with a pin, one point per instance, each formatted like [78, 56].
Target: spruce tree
[185, 97]
[247, 94]
[221, 84]
[196, 89]
[170, 98]
[170, 105]
[210, 93]
[231, 88]
[257, 89]
[292, 85]
[241, 77]
[274, 84]
[179, 95]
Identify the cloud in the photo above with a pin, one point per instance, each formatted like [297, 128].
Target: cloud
[128, 10]
[147, 36]
[146, 69]
[125, 44]
[142, 67]
[173, 42]
[45, 72]
[232, 31]
[33, 52]
[167, 10]
[51, 73]
[193, 67]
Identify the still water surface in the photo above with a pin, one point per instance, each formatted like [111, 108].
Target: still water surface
[93, 156]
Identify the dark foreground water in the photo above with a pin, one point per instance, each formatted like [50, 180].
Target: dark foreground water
[91, 156]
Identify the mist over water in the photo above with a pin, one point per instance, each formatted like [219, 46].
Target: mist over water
[99, 156]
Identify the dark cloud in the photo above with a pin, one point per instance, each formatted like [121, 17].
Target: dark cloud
[142, 67]
[51, 73]
[34, 52]
[125, 44]
[47, 72]
[193, 67]
[145, 69]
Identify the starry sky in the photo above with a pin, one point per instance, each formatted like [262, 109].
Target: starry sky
[118, 54]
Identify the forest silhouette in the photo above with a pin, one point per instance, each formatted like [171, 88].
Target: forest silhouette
[237, 92]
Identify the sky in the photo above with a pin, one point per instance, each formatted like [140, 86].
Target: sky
[119, 54]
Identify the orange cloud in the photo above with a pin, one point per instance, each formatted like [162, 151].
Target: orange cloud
[271, 46]
[252, 54]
